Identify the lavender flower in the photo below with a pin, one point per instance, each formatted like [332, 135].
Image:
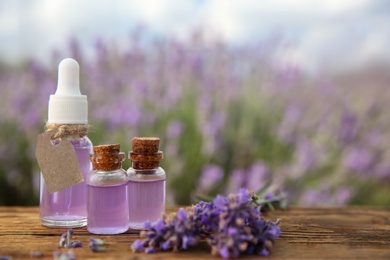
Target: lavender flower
[237, 180]
[97, 245]
[241, 229]
[66, 240]
[5, 257]
[348, 127]
[207, 216]
[210, 176]
[305, 156]
[174, 129]
[176, 232]
[286, 130]
[312, 197]
[257, 175]
[341, 196]
[231, 225]
[358, 159]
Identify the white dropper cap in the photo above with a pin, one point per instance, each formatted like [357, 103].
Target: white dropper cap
[67, 105]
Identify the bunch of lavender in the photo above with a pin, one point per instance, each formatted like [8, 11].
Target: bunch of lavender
[231, 225]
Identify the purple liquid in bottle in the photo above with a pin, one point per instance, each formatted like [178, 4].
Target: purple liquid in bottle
[107, 209]
[146, 201]
[68, 207]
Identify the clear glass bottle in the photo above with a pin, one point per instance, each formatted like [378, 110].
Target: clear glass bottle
[146, 188]
[68, 114]
[107, 191]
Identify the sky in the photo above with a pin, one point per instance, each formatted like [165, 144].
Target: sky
[332, 33]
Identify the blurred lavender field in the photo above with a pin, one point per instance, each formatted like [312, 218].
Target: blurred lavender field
[228, 117]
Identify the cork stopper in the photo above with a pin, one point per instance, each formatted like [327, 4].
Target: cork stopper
[145, 154]
[107, 157]
[145, 145]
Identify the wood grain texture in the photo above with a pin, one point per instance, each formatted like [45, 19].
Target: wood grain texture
[311, 233]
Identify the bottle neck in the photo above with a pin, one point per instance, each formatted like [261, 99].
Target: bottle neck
[107, 167]
[106, 178]
[150, 165]
[137, 174]
[103, 171]
[67, 130]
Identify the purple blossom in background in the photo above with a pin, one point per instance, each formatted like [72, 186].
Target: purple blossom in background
[174, 129]
[292, 115]
[348, 129]
[205, 102]
[140, 87]
[172, 96]
[212, 99]
[252, 179]
[305, 155]
[342, 196]
[287, 74]
[312, 197]
[211, 175]
[322, 197]
[328, 89]
[215, 124]
[358, 159]
[375, 139]
[237, 180]
[211, 130]
[257, 175]
[382, 170]
[127, 113]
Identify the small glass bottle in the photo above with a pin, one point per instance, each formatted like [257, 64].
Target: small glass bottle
[68, 207]
[107, 191]
[68, 115]
[146, 188]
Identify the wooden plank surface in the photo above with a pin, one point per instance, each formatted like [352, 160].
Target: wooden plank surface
[312, 233]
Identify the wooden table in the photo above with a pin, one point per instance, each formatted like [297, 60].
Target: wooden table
[311, 233]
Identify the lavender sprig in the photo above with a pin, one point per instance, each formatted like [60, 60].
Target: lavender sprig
[268, 202]
[66, 240]
[231, 225]
[97, 245]
[262, 199]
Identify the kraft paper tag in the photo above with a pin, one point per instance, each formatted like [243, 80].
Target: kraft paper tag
[58, 163]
